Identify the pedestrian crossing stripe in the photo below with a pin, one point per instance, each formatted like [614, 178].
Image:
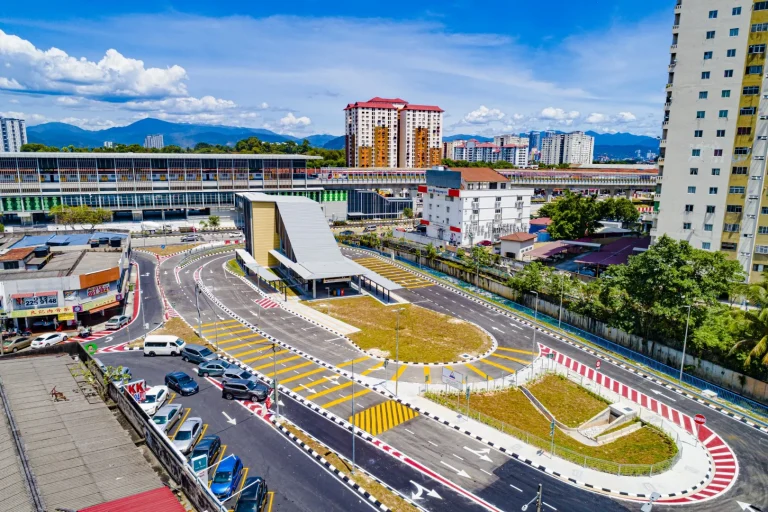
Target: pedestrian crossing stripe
[225, 333]
[480, 373]
[383, 417]
[323, 380]
[222, 327]
[251, 337]
[252, 359]
[220, 323]
[519, 351]
[252, 351]
[290, 368]
[302, 375]
[279, 361]
[399, 371]
[515, 359]
[345, 398]
[242, 345]
[497, 365]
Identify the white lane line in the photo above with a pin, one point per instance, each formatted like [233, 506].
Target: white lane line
[487, 473]
[512, 486]
[457, 456]
[430, 442]
[409, 431]
[516, 326]
[548, 505]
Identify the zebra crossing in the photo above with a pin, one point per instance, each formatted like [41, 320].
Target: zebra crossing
[267, 303]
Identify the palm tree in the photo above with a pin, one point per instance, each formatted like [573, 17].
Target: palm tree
[758, 339]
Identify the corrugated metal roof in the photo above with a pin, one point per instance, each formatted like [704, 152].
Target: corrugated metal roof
[157, 500]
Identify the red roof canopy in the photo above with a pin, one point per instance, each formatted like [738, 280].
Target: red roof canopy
[158, 500]
[423, 107]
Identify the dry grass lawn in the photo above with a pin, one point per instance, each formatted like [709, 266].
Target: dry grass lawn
[510, 406]
[425, 336]
[177, 327]
[169, 249]
[580, 406]
[234, 267]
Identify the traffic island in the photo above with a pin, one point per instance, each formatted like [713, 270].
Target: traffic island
[416, 334]
[168, 250]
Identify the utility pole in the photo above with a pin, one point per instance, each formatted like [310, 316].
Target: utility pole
[562, 292]
[354, 420]
[274, 380]
[539, 500]
[197, 305]
[536, 319]
[685, 341]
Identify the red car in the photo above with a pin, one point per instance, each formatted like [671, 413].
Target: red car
[485, 243]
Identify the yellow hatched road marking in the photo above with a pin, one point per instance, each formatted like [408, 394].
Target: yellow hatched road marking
[301, 376]
[223, 328]
[399, 371]
[320, 381]
[279, 361]
[250, 360]
[229, 334]
[284, 370]
[221, 322]
[253, 351]
[521, 361]
[519, 351]
[251, 337]
[382, 417]
[347, 363]
[480, 373]
[242, 345]
[497, 365]
[345, 398]
[329, 390]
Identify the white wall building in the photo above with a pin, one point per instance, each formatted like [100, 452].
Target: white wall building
[463, 206]
[514, 152]
[13, 134]
[420, 136]
[109, 144]
[154, 141]
[568, 148]
[448, 147]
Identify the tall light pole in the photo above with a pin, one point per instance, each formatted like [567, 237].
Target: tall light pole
[274, 379]
[354, 420]
[562, 292]
[535, 320]
[197, 305]
[397, 348]
[141, 305]
[685, 340]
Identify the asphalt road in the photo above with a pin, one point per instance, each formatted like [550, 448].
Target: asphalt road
[299, 482]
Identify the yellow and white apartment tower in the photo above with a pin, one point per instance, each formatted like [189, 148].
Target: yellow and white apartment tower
[389, 132]
[711, 185]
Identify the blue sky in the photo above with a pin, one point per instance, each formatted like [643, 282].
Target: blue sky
[292, 66]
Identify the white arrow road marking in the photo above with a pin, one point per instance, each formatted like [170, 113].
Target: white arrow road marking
[165, 273]
[416, 496]
[497, 329]
[108, 339]
[516, 326]
[145, 275]
[334, 379]
[661, 394]
[311, 390]
[483, 454]
[747, 506]
[459, 472]
[233, 421]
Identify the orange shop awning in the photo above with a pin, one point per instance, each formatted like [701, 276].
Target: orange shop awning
[105, 306]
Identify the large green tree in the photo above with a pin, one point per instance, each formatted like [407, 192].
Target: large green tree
[575, 215]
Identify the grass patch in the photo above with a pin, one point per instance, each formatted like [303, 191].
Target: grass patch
[510, 407]
[169, 249]
[384, 495]
[619, 427]
[234, 266]
[425, 336]
[176, 327]
[570, 403]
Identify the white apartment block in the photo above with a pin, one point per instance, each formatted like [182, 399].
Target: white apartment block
[448, 147]
[474, 151]
[567, 148]
[154, 141]
[463, 206]
[420, 132]
[13, 134]
[715, 131]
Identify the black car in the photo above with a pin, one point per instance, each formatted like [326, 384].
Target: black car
[209, 445]
[182, 383]
[245, 390]
[253, 496]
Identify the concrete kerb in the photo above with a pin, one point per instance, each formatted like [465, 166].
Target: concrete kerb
[603, 355]
[494, 342]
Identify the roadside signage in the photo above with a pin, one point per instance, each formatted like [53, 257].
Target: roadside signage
[200, 467]
[452, 378]
[467, 392]
[162, 247]
[597, 364]
[137, 389]
[700, 419]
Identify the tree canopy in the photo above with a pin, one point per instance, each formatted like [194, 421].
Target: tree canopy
[575, 216]
[80, 215]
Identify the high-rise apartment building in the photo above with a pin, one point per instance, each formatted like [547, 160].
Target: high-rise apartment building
[154, 141]
[715, 131]
[514, 151]
[13, 134]
[567, 148]
[386, 132]
[449, 145]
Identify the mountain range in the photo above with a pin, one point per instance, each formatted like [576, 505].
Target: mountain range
[187, 135]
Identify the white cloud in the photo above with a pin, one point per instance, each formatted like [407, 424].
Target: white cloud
[90, 124]
[187, 105]
[620, 118]
[291, 121]
[483, 115]
[31, 119]
[626, 116]
[558, 114]
[264, 106]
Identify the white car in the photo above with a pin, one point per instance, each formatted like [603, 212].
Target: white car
[48, 339]
[155, 397]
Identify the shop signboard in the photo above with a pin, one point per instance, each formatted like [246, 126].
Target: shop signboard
[63, 317]
[95, 303]
[37, 301]
[25, 313]
[97, 290]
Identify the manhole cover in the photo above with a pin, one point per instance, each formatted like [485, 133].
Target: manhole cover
[466, 356]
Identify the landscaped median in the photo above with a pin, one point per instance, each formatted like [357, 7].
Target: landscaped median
[234, 267]
[167, 250]
[424, 335]
[647, 451]
[175, 327]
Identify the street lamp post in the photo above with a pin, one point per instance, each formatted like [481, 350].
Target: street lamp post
[197, 305]
[535, 319]
[562, 292]
[685, 340]
[274, 380]
[397, 348]
[354, 420]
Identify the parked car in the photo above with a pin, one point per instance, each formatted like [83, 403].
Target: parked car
[254, 495]
[234, 372]
[16, 344]
[163, 345]
[484, 243]
[117, 322]
[188, 434]
[245, 390]
[48, 339]
[197, 354]
[347, 232]
[370, 228]
[155, 397]
[167, 416]
[209, 445]
[227, 477]
[192, 238]
[182, 383]
[213, 368]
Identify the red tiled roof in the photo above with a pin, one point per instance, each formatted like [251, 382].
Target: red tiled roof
[474, 174]
[368, 104]
[519, 237]
[158, 500]
[541, 221]
[423, 107]
[486, 145]
[17, 254]
[386, 100]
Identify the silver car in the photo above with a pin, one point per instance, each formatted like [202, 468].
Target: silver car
[167, 416]
[188, 434]
[235, 372]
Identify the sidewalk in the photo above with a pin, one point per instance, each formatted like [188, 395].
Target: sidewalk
[319, 317]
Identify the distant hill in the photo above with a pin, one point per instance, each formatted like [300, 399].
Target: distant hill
[336, 143]
[601, 139]
[462, 136]
[180, 134]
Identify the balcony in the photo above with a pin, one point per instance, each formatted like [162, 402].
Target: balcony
[678, 7]
[665, 122]
[663, 143]
[675, 27]
[661, 160]
[673, 47]
[659, 179]
[669, 85]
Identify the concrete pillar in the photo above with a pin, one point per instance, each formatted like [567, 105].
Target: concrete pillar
[162, 213]
[138, 215]
[550, 193]
[314, 288]
[629, 193]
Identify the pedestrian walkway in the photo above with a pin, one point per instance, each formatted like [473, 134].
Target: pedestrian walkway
[393, 273]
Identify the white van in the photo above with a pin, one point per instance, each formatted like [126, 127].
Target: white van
[163, 345]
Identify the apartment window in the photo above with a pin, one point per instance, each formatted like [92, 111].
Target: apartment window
[703, 95]
[707, 55]
[754, 70]
[751, 90]
[720, 133]
[764, 210]
[733, 208]
[741, 151]
[712, 15]
[760, 27]
[686, 226]
[712, 190]
[739, 170]
[762, 230]
[744, 130]
[705, 75]
[758, 267]
[756, 48]
[730, 53]
[723, 114]
[760, 6]
[707, 227]
[700, 114]
[761, 249]
[694, 171]
[710, 34]
[735, 190]
[689, 208]
[706, 245]
[731, 228]
[698, 133]
[718, 152]
[695, 152]
[733, 32]
[728, 73]
[747, 111]
[692, 190]
[715, 172]
[725, 93]
[727, 246]
[710, 208]
[736, 11]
